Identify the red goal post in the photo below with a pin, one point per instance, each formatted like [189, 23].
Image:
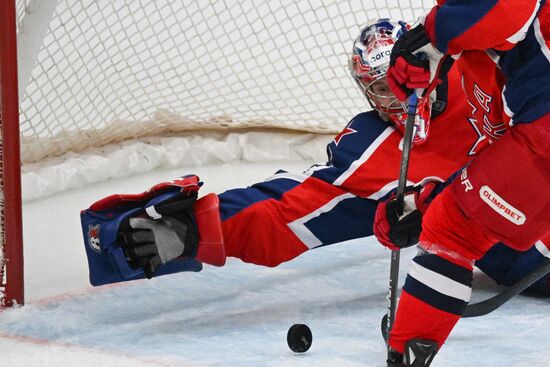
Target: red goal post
[11, 241]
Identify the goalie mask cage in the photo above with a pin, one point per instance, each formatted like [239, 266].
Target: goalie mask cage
[96, 72]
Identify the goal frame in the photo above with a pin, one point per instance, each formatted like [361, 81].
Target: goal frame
[11, 268]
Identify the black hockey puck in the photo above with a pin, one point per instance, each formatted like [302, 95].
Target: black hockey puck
[299, 338]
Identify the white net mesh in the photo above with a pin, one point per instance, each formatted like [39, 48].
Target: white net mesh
[95, 72]
[21, 9]
[110, 70]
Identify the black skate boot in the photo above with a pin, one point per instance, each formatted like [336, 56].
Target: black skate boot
[395, 359]
[418, 353]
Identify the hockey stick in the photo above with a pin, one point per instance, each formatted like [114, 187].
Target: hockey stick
[489, 305]
[389, 318]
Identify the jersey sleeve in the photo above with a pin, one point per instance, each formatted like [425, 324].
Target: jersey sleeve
[457, 25]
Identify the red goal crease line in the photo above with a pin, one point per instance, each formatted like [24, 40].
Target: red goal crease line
[78, 348]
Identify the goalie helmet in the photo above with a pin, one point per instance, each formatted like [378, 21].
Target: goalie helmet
[368, 65]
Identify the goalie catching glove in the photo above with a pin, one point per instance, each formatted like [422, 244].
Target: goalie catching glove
[397, 231]
[160, 231]
[152, 242]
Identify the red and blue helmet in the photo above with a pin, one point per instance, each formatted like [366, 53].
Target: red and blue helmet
[368, 65]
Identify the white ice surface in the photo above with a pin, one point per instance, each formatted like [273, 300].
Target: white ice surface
[232, 316]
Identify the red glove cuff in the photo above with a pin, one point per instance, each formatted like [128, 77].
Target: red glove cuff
[188, 184]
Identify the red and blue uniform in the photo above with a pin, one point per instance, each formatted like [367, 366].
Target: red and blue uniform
[518, 32]
[502, 194]
[289, 213]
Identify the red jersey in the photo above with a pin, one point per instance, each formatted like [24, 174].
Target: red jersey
[483, 82]
[336, 201]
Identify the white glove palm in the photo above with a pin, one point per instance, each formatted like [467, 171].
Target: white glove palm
[150, 243]
[168, 236]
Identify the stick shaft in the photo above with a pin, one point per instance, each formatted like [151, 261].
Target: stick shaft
[489, 305]
[400, 196]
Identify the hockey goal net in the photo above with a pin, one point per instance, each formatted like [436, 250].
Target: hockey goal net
[97, 72]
